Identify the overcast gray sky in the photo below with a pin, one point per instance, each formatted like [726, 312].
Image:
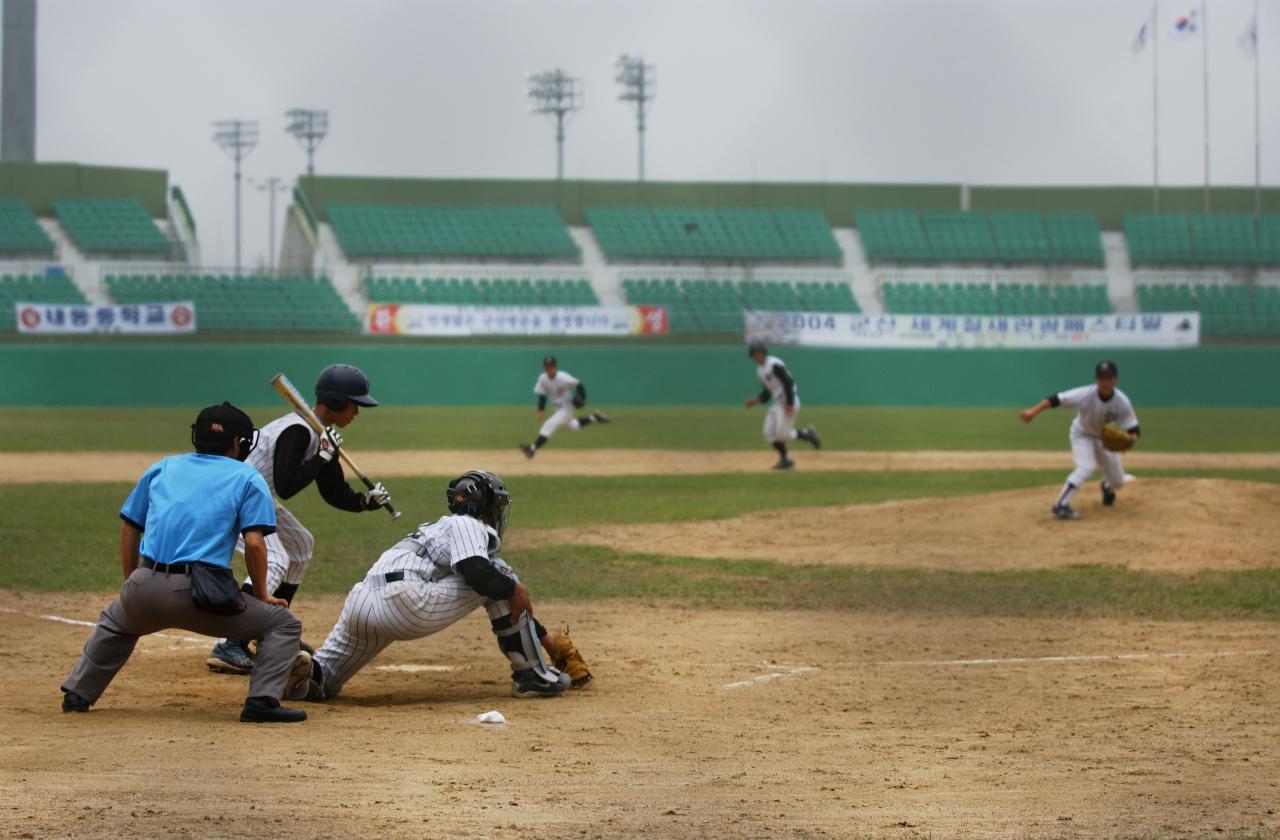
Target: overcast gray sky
[978, 91]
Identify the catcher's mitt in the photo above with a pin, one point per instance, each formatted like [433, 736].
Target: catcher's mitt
[1115, 438]
[565, 657]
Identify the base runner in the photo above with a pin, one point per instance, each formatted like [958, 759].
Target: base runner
[432, 578]
[1105, 425]
[780, 389]
[567, 394]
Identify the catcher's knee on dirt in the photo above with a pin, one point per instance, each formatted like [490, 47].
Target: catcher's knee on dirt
[520, 644]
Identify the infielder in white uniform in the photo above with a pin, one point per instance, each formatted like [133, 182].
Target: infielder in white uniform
[780, 390]
[290, 456]
[436, 576]
[1096, 405]
[566, 393]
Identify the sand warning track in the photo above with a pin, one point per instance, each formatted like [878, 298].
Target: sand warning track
[71, 467]
[1181, 525]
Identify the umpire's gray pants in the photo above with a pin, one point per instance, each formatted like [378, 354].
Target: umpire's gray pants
[151, 601]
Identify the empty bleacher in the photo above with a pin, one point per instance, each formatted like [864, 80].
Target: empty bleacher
[717, 305]
[961, 236]
[482, 292]
[111, 226]
[243, 303]
[1227, 239]
[25, 288]
[984, 298]
[381, 231]
[20, 233]
[1226, 309]
[707, 234]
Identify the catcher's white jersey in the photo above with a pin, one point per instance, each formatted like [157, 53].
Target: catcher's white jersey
[771, 380]
[559, 390]
[1093, 412]
[263, 456]
[443, 544]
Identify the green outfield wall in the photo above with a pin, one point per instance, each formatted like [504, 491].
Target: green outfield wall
[198, 374]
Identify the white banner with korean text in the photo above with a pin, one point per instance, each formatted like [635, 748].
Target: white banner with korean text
[821, 329]
[425, 319]
[73, 318]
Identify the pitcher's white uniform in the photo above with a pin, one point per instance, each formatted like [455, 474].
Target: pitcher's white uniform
[559, 392]
[779, 426]
[1092, 413]
[289, 549]
[424, 596]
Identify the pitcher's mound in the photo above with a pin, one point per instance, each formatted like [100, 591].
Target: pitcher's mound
[1157, 524]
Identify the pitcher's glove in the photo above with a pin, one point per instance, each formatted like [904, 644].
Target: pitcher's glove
[1116, 439]
[579, 402]
[565, 657]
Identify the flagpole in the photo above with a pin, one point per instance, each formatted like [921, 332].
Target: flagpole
[1257, 121]
[1204, 34]
[1155, 111]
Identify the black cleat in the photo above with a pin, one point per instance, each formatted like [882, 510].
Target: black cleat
[810, 434]
[528, 450]
[1065, 512]
[784, 464]
[72, 702]
[529, 684]
[1108, 495]
[268, 710]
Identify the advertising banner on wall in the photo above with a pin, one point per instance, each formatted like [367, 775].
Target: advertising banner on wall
[137, 319]
[1044, 332]
[430, 320]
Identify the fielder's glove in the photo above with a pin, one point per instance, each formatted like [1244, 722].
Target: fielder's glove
[330, 441]
[377, 497]
[579, 402]
[1116, 439]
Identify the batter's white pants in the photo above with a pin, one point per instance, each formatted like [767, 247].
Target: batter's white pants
[1089, 455]
[780, 427]
[562, 417]
[289, 550]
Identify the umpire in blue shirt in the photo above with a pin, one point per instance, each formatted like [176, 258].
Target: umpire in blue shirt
[188, 510]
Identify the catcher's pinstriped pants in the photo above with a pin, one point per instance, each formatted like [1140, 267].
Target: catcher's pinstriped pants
[289, 550]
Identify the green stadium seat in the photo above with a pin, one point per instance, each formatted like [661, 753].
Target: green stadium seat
[111, 225]
[244, 304]
[382, 231]
[20, 233]
[705, 234]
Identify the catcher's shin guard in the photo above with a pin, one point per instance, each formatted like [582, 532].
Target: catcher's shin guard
[521, 646]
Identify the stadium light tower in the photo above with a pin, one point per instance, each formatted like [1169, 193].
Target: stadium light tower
[309, 127]
[271, 186]
[636, 79]
[556, 93]
[237, 138]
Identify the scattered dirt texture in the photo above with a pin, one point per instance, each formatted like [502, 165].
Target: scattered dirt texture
[24, 467]
[868, 743]
[1159, 524]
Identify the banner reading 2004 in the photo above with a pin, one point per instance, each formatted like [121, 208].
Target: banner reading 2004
[819, 329]
[422, 319]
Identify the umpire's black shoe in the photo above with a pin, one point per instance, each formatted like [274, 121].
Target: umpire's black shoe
[1108, 495]
[72, 702]
[269, 710]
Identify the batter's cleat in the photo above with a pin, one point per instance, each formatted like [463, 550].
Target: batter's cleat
[600, 417]
[299, 674]
[1108, 495]
[229, 658]
[811, 435]
[529, 684]
[528, 450]
[269, 710]
[72, 702]
[1064, 512]
[784, 464]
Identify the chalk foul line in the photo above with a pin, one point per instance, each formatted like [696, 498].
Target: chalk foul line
[60, 619]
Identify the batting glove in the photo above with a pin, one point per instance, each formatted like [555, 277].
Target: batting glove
[377, 497]
[329, 443]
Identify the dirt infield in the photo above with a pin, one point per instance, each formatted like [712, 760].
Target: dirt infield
[699, 724]
[24, 467]
[1160, 524]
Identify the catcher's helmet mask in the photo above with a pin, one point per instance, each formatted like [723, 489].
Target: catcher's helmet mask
[481, 495]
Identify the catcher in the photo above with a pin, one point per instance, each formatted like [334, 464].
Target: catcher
[436, 576]
[1105, 426]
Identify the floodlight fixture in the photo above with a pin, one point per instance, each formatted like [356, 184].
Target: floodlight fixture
[237, 138]
[637, 80]
[558, 94]
[309, 127]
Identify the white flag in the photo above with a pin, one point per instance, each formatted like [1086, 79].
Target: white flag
[1185, 25]
[1248, 39]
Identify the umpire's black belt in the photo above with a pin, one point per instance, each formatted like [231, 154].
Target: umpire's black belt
[166, 568]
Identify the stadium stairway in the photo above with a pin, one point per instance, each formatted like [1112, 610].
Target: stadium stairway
[83, 272]
[606, 280]
[855, 266]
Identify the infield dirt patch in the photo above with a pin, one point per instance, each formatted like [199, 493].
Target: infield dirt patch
[1159, 524]
[699, 724]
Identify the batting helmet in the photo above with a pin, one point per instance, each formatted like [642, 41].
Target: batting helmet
[339, 384]
[218, 426]
[755, 346]
[482, 495]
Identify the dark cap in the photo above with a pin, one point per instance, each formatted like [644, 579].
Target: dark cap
[549, 361]
[755, 345]
[218, 426]
[1106, 368]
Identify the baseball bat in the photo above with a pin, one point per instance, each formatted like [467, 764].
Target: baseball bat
[290, 394]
